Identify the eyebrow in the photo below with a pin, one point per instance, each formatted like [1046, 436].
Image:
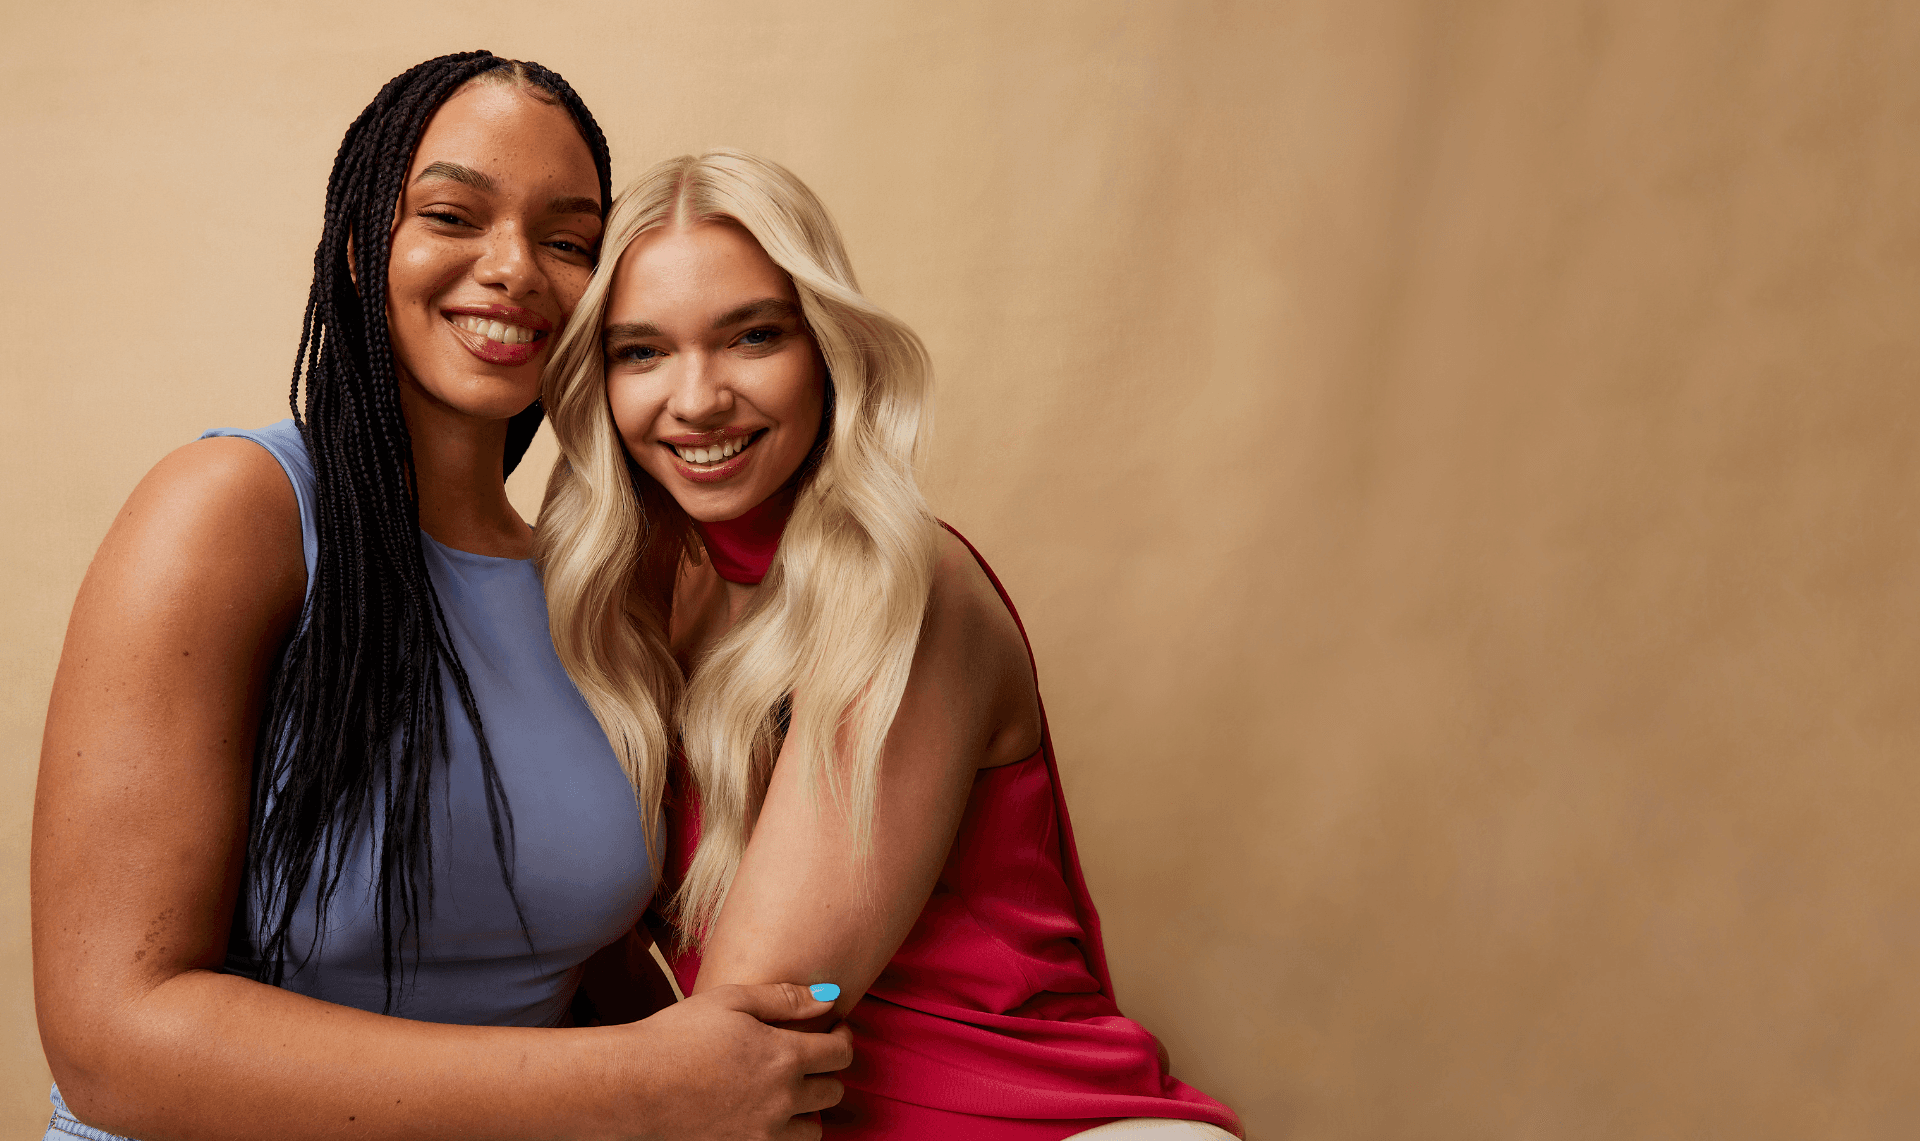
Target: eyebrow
[454, 172]
[751, 311]
[630, 331]
[574, 206]
[756, 310]
[467, 176]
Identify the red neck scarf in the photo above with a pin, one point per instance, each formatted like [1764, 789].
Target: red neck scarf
[742, 549]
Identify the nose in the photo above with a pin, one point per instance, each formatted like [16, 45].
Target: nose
[508, 262]
[700, 395]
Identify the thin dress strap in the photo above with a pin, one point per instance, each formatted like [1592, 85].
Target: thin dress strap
[1094, 946]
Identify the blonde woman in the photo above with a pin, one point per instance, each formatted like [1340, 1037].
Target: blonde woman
[831, 693]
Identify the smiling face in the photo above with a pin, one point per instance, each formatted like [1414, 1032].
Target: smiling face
[492, 246]
[715, 384]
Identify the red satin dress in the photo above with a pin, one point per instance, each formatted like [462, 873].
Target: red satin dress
[995, 1021]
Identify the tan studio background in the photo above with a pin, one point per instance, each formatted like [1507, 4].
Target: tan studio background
[1457, 462]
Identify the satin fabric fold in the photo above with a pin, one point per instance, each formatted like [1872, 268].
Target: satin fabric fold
[995, 1020]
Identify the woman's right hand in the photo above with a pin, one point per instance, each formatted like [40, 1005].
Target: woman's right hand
[139, 837]
[712, 1066]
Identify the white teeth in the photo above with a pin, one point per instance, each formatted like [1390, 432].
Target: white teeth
[726, 449]
[496, 330]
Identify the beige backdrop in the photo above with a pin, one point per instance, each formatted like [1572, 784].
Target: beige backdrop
[1456, 462]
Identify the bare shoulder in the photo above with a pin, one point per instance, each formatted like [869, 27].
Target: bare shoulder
[218, 480]
[212, 526]
[194, 589]
[970, 631]
[964, 597]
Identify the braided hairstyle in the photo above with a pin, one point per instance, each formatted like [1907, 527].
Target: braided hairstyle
[355, 720]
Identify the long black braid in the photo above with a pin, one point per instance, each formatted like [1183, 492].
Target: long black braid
[355, 721]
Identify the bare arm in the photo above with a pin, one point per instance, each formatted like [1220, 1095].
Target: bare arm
[139, 829]
[798, 908]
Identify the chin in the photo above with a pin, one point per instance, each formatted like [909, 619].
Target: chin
[490, 398]
[718, 507]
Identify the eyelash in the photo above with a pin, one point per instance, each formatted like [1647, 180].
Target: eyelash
[632, 352]
[449, 218]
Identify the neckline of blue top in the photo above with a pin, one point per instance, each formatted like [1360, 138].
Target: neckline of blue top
[473, 554]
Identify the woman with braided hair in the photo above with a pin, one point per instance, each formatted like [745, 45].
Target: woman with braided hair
[324, 839]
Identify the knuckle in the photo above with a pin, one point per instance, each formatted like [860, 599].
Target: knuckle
[792, 1054]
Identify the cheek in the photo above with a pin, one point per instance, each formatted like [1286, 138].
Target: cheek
[411, 273]
[633, 412]
[408, 284]
[569, 285]
[417, 275]
[788, 389]
[809, 389]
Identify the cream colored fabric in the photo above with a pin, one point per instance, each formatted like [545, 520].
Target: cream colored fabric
[1154, 1129]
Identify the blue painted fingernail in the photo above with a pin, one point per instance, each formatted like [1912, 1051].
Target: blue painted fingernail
[824, 992]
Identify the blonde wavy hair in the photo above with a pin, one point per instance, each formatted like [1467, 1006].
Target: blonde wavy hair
[821, 658]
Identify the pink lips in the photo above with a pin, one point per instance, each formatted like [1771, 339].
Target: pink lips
[725, 471]
[493, 352]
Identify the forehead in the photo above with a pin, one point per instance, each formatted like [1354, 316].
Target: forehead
[699, 269]
[510, 136]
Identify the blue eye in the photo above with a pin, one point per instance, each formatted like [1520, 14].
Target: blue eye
[636, 353]
[759, 336]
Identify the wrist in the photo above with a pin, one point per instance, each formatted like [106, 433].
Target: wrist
[616, 1069]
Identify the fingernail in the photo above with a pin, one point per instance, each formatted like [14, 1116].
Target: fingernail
[824, 992]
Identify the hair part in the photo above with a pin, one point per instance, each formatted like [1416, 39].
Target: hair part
[355, 723]
[812, 671]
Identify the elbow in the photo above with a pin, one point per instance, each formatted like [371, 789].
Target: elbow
[94, 1095]
[82, 1079]
[87, 1056]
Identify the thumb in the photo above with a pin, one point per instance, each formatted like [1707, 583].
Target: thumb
[780, 1002]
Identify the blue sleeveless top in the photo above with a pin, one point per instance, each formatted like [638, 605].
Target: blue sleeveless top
[581, 865]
